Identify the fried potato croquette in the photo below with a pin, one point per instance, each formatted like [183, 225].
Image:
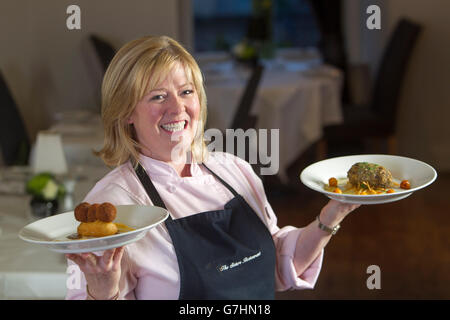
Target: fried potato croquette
[81, 212]
[106, 212]
[92, 212]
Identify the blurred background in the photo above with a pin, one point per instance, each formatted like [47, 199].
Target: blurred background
[314, 69]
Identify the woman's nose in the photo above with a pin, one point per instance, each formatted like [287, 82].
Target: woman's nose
[176, 105]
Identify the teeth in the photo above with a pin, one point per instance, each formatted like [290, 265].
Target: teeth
[174, 127]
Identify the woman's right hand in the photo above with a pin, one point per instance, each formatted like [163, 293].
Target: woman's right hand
[102, 273]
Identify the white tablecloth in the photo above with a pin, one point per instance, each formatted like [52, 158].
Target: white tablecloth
[297, 101]
[29, 271]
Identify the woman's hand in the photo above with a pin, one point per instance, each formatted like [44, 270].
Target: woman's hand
[335, 211]
[102, 273]
[311, 240]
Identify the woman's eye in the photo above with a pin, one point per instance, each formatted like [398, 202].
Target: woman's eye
[157, 97]
[188, 91]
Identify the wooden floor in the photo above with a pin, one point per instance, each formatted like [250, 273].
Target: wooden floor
[409, 240]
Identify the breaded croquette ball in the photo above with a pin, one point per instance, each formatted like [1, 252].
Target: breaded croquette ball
[81, 212]
[92, 212]
[106, 212]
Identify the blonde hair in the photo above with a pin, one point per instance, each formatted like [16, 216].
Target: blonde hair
[139, 66]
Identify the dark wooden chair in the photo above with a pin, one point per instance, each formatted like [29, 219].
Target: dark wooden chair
[14, 142]
[377, 120]
[105, 51]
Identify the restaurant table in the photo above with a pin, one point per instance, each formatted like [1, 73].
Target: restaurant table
[29, 271]
[297, 97]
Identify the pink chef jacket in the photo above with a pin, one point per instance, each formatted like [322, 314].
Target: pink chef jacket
[149, 266]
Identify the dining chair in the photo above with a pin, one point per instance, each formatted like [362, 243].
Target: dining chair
[14, 142]
[377, 120]
[105, 51]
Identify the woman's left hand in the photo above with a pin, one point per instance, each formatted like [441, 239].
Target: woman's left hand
[335, 211]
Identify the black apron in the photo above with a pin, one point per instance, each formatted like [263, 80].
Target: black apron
[222, 254]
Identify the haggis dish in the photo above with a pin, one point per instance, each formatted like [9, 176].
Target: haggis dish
[364, 178]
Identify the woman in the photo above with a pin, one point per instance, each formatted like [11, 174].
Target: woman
[222, 240]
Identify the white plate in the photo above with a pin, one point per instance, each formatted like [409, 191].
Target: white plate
[52, 232]
[417, 172]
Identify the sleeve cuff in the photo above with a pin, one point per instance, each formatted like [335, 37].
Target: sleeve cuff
[286, 268]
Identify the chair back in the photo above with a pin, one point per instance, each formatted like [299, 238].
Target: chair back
[14, 142]
[104, 50]
[242, 118]
[392, 69]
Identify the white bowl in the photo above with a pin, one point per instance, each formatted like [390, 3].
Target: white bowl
[52, 232]
[417, 172]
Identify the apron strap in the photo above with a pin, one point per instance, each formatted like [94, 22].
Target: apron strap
[223, 182]
[149, 186]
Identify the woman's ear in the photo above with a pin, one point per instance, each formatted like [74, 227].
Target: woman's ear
[130, 120]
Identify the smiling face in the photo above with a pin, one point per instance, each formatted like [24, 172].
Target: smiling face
[166, 118]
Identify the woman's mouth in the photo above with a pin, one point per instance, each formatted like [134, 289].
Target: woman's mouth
[174, 126]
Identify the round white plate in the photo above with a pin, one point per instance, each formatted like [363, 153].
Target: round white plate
[417, 172]
[52, 232]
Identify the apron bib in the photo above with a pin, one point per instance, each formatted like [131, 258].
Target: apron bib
[221, 254]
